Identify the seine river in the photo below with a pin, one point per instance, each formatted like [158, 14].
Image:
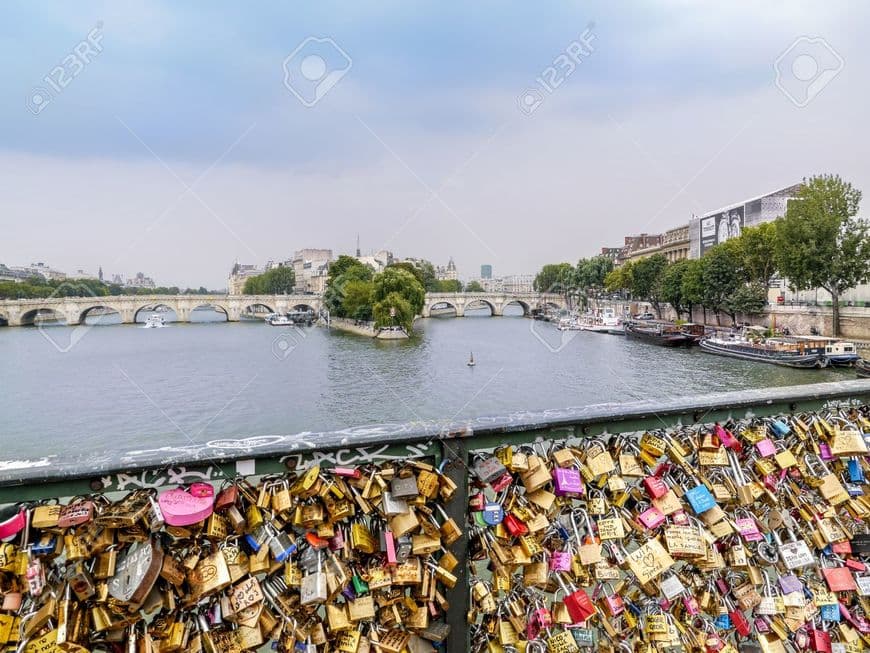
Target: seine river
[120, 387]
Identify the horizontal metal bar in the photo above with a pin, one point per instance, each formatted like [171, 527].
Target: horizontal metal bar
[272, 453]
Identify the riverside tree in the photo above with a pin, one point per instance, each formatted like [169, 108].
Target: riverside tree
[398, 289]
[277, 281]
[820, 243]
[646, 280]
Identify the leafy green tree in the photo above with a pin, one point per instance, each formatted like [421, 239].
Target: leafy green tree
[590, 273]
[402, 282]
[357, 299]
[473, 286]
[394, 309]
[280, 280]
[450, 285]
[820, 243]
[757, 247]
[672, 286]
[646, 280]
[692, 285]
[748, 298]
[723, 275]
[341, 272]
[343, 263]
[554, 277]
[620, 278]
[424, 271]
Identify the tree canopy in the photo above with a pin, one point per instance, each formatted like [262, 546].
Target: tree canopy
[277, 281]
[820, 243]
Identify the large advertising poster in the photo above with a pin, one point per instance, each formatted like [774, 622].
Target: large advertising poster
[719, 227]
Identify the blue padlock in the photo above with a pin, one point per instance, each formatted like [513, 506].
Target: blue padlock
[493, 513]
[701, 499]
[856, 472]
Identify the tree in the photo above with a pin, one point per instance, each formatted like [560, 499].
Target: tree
[590, 273]
[554, 277]
[672, 286]
[340, 265]
[357, 299]
[620, 278]
[749, 299]
[394, 309]
[341, 272]
[398, 289]
[723, 275]
[820, 243]
[449, 285]
[646, 280]
[473, 286]
[424, 271]
[276, 281]
[692, 286]
[757, 249]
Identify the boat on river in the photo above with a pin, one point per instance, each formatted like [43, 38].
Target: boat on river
[839, 353]
[154, 321]
[790, 352]
[664, 334]
[862, 367]
[279, 320]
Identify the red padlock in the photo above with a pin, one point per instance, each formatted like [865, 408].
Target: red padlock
[514, 525]
[577, 601]
[655, 487]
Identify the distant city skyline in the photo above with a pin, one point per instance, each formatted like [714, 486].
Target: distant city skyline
[177, 155]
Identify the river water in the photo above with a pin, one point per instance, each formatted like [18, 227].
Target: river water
[118, 387]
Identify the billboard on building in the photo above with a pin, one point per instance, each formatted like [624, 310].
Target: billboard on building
[718, 227]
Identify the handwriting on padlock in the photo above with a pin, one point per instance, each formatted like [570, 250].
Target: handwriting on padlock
[183, 508]
[649, 561]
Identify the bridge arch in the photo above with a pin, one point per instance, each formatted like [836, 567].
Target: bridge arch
[251, 309]
[29, 317]
[527, 309]
[480, 302]
[152, 308]
[83, 314]
[441, 306]
[217, 308]
[304, 307]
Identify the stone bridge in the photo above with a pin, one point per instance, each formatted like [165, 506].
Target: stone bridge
[18, 312]
[495, 301]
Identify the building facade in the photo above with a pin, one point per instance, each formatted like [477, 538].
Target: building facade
[673, 244]
[447, 273]
[240, 273]
[311, 267]
[39, 270]
[517, 283]
[728, 222]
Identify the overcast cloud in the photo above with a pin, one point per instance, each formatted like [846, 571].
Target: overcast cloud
[178, 149]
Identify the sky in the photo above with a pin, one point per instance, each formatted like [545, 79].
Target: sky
[177, 138]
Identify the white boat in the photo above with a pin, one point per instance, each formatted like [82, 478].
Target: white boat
[279, 320]
[568, 324]
[154, 321]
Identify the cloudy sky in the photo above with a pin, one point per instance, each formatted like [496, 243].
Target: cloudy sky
[176, 138]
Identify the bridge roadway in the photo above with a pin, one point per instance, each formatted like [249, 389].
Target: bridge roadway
[20, 312]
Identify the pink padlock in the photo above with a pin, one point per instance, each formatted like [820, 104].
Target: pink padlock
[567, 480]
[748, 529]
[561, 561]
[183, 508]
[652, 517]
[765, 447]
[825, 452]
